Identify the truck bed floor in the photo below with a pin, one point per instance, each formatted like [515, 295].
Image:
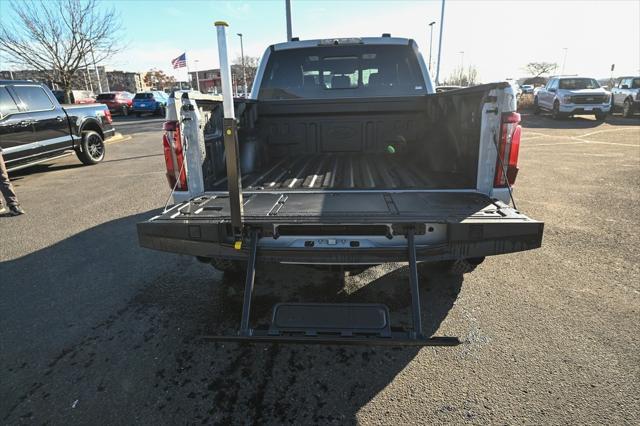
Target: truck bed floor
[346, 171]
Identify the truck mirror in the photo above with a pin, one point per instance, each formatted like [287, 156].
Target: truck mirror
[624, 86]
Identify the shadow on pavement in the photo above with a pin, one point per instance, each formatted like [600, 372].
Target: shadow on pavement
[96, 327]
[531, 121]
[44, 167]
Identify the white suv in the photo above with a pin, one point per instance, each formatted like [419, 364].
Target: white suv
[566, 96]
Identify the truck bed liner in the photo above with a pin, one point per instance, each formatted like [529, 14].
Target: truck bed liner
[346, 171]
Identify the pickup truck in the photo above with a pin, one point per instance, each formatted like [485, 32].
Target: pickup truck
[626, 96]
[566, 96]
[35, 128]
[347, 156]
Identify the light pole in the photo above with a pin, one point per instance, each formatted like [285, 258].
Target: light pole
[95, 66]
[197, 75]
[288, 10]
[461, 59]
[440, 43]
[431, 43]
[244, 70]
[564, 59]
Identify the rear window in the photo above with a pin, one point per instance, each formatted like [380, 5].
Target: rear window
[106, 97]
[636, 83]
[143, 96]
[578, 83]
[33, 98]
[7, 104]
[342, 72]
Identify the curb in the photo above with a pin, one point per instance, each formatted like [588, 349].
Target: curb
[118, 137]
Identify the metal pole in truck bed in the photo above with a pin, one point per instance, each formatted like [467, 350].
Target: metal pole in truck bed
[232, 151]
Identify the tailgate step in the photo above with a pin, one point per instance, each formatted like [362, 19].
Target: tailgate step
[345, 319]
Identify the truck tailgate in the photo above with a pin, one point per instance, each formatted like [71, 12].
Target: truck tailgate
[353, 227]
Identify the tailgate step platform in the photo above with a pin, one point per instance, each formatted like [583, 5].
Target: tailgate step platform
[344, 319]
[333, 323]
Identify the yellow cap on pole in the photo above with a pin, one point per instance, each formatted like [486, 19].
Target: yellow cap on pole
[237, 245]
[219, 23]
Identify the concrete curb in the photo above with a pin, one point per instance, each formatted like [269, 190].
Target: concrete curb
[118, 137]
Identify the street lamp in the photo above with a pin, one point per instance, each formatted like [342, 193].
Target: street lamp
[564, 59]
[430, 43]
[197, 75]
[244, 71]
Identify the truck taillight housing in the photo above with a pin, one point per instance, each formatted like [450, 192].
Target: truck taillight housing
[508, 149]
[174, 155]
[107, 116]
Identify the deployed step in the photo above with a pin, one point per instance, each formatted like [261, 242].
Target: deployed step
[345, 319]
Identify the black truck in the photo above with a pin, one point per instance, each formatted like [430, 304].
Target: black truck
[35, 128]
[343, 155]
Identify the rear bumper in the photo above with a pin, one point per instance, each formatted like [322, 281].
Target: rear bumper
[138, 108]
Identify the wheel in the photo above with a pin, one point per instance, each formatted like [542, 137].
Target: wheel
[600, 116]
[555, 112]
[125, 110]
[91, 148]
[138, 114]
[536, 107]
[229, 266]
[161, 110]
[627, 109]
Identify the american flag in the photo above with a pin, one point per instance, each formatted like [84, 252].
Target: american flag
[180, 61]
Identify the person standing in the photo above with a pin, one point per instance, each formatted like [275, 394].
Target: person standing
[8, 192]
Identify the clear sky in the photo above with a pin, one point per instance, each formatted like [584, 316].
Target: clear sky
[498, 36]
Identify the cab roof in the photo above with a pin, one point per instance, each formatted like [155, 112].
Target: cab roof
[343, 41]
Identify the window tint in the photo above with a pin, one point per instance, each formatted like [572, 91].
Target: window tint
[33, 98]
[342, 72]
[143, 96]
[7, 104]
[106, 96]
[635, 84]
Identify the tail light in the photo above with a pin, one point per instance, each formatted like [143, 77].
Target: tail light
[107, 116]
[174, 155]
[508, 149]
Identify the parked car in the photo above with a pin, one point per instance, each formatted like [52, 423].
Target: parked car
[346, 157]
[154, 102]
[77, 97]
[527, 88]
[117, 102]
[35, 128]
[566, 96]
[626, 95]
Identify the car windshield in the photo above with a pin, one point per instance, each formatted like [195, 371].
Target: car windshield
[106, 96]
[342, 72]
[635, 84]
[578, 83]
[143, 96]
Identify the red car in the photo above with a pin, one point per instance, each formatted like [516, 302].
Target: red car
[117, 102]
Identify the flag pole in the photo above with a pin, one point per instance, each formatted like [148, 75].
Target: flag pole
[186, 64]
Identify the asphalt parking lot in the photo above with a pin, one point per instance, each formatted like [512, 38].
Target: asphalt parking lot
[94, 329]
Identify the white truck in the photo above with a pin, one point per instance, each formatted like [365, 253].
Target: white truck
[625, 96]
[342, 155]
[569, 95]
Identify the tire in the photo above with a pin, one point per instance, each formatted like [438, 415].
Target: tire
[229, 266]
[555, 111]
[536, 107]
[627, 109]
[600, 116]
[125, 111]
[92, 148]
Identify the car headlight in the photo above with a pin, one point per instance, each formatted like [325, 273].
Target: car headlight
[566, 99]
[606, 99]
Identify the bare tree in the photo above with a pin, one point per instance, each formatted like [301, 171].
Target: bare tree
[251, 65]
[462, 77]
[158, 80]
[58, 37]
[537, 69]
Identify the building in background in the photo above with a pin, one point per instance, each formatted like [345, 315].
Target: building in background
[209, 80]
[125, 81]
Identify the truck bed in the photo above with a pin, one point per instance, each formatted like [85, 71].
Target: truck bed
[346, 171]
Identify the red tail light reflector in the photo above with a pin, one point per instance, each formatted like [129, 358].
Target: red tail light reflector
[508, 150]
